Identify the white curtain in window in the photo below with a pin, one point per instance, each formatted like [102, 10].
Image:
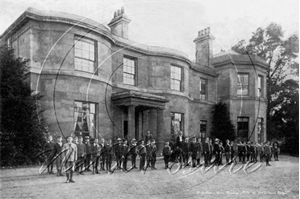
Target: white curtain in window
[75, 119]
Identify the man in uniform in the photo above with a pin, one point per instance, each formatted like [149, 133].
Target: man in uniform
[70, 157]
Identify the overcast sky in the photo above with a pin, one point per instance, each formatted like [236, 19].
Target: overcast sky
[174, 24]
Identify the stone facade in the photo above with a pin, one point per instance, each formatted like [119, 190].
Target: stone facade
[97, 82]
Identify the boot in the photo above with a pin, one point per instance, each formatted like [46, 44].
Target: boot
[71, 177]
[68, 178]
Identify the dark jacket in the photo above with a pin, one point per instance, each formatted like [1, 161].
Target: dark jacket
[141, 150]
[206, 148]
[167, 151]
[81, 150]
[217, 148]
[133, 150]
[153, 150]
[194, 147]
[185, 147]
[125, 150]
[119, 150]
[227, 148]
[57, 149]
[88, 148]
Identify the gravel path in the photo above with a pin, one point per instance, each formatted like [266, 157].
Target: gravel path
[281, 180]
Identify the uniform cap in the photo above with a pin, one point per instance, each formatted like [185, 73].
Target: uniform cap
[87, 137]
[119, 139]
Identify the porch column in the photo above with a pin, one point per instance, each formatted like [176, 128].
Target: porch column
[131, 122]
[160, 130]
[152, 123]
[145, 123]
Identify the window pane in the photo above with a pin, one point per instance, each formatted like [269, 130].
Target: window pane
[84, 54]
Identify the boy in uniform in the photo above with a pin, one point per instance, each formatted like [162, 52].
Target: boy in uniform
[199, 152]
[95, 155]
[81, 153]
[206, 152]
[211, 150]
[148, 151]
[166, 153]
[267, 152]
[142, 153]
[88, 148]
[70, 157]
[153, 154]
[56, 153]
[276, 151]
[227, 151]
[185, 151]
[125, 154]
[118, 153]
[108, 155]
[102, 154]
[217, 152]
[49, 147]
[133, 152]
[194, 151]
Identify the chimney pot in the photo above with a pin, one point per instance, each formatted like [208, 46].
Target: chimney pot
[122, 10]
[205, 31]
[115, 14]
[208, 30]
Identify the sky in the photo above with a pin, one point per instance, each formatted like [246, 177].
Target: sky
[174, 24]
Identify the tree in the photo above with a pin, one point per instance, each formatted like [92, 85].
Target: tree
[222, 126]
[285, 117]
[22, 130]
[280, 54]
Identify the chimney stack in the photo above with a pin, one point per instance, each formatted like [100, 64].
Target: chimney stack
[119, 24]
[204, 47]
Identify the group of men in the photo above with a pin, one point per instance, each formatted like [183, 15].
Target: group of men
[189, 151]
[98, 155]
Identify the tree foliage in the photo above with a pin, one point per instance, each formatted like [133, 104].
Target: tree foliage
[222, 126]
[22, 130]
[281, 55]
